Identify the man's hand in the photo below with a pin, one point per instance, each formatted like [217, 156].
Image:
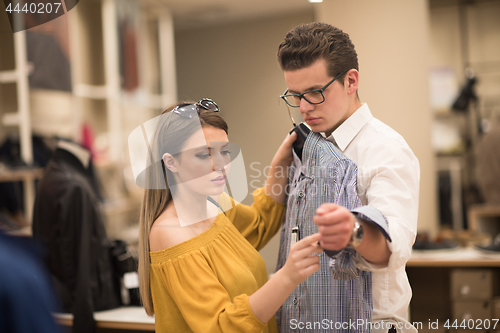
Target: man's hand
[335, 224]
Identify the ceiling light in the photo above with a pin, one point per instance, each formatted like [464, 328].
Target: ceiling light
[315, 1]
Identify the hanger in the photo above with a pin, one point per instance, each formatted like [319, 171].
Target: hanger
[78, 151]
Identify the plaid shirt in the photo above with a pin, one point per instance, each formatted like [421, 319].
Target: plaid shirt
[338, 296]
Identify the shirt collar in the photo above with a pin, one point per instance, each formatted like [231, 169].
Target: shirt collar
[346, 132]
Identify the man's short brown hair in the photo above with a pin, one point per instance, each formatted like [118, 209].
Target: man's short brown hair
[307, 43]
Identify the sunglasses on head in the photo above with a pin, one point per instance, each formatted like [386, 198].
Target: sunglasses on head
[192, 110]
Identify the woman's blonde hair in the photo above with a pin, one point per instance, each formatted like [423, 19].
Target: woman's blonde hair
[171, 132]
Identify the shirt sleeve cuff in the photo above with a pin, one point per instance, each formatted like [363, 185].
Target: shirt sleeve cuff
[373, 215]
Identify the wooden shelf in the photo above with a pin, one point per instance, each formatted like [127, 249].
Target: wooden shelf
[430, 277]
[459, 257]
[454, 263]
[127, 318]
[477, 212]
[20, 175]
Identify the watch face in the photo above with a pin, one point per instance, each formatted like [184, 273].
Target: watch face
[361, 232]
[358, 233]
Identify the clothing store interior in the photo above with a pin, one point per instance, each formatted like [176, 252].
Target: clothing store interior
[73, 88]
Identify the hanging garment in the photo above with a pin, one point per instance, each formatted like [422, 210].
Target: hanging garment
[339, 293]
[68, 224]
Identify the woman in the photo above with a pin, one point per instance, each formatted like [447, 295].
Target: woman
[199, 266]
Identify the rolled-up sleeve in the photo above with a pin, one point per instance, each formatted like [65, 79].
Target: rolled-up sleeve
[393, 189]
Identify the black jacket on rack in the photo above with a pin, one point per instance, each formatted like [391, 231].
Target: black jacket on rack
[69, 225]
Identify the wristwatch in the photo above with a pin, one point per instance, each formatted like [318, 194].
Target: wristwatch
[357, 233]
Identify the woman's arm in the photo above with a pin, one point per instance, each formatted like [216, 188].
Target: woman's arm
[277, 179]
[259, 222]
[300, 264]
[188, 291]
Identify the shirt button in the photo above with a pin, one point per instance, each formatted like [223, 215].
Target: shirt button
[301, 194]
[295, 301]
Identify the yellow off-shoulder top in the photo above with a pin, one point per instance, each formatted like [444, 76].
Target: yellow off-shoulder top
[203, 284]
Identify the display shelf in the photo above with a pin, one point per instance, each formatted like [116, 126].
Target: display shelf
[456, 257]
[15, 175]
[478, 212]
[21, 118]
[430, 274]
[125, 318]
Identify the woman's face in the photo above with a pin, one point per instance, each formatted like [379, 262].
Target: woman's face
[204, 162]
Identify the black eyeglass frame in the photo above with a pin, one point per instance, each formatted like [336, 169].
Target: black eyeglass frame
[191, 110]
[300, 96]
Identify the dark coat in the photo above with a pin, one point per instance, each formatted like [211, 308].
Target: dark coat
[68, 224]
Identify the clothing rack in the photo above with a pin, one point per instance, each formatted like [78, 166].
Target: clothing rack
[21, 118]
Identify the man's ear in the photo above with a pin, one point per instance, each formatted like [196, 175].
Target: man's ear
[170, 162]
[351, 81]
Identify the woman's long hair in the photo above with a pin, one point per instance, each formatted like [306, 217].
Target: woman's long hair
[171, 132]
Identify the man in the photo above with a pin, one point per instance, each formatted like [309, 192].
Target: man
[321, 72]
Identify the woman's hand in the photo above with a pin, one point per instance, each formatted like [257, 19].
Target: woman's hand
[300, 264]
[303, 260]
[284, 154]
[277, 178]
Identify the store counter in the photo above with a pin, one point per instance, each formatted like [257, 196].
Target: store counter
[128, 318]
[453, 284]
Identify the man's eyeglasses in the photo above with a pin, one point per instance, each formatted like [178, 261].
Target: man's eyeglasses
[191, 110]
[312, 97]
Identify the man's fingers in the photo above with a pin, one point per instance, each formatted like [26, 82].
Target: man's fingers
[334, 229]
[334, 245]
[335, 241]
[326, 208]
[331, 217]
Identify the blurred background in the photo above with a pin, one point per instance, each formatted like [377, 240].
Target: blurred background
[428, 68]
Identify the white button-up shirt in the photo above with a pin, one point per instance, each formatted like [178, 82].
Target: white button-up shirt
[388, 179]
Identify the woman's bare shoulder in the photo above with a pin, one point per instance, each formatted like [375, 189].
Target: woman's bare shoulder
[167, 232]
